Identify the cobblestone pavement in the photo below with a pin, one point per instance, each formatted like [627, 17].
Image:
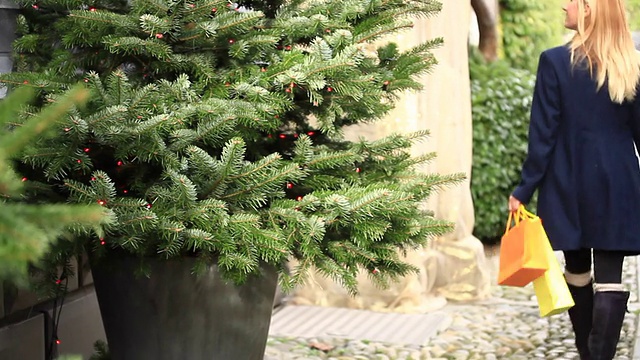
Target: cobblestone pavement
[507, 326]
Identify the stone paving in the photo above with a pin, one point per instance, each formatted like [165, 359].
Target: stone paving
[507, 326]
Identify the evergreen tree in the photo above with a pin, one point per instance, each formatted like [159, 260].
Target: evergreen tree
[215, 129]
[27, 229]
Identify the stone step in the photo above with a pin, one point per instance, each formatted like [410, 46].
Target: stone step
[318, 322]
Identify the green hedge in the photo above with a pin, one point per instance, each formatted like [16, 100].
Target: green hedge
[501, 99]
[528, 28]
[633, 9]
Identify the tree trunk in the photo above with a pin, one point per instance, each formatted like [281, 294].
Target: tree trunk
[487, 14]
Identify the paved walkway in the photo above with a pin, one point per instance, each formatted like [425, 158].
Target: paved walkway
[507, 326]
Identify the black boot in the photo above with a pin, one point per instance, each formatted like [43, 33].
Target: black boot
[581, 317]
[609, 308]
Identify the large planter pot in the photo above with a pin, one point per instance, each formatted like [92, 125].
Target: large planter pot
[8, 13]
[175, 315]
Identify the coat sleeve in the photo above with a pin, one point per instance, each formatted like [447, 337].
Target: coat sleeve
[543, 129]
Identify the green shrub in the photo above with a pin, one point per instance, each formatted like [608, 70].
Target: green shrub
[528, 28]
[633, 9]
[501, 98]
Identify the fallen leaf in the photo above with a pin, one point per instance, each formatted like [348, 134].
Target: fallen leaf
[321, 346]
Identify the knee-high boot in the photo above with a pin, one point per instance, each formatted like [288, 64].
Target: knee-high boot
[581, 317]
[609, 308]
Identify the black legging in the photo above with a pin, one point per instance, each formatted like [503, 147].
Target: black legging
[607, 265]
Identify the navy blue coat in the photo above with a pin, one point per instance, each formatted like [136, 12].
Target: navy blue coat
[582, 160]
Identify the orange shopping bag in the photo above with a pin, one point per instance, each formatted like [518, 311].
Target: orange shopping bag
[521, 262]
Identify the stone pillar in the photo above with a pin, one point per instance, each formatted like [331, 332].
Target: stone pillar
[453, 266]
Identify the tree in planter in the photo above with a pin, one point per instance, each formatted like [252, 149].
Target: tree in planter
[215, 131]
[26, 230]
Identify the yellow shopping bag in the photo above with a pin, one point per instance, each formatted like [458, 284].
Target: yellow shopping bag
[551, 288]
[520, 262]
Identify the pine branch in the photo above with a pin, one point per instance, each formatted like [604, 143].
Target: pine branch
[370, 36]
[26, 230]
[287, 172]
[231, 162]
[153, 48]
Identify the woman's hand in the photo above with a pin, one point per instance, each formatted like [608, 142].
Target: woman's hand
[514, 203]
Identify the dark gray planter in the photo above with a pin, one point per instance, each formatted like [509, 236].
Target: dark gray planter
[174, 315]
[8, 13]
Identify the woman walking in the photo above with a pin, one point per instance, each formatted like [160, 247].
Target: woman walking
[584, 130]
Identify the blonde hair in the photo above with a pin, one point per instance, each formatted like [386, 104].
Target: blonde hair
[603, 39]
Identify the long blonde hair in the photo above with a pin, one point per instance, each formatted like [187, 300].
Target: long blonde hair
[603, 39]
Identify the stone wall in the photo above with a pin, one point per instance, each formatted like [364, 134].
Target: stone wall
[454, 266]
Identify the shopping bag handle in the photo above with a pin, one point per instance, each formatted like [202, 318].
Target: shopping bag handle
[511, 218]
[518, 215]
[527, 213]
